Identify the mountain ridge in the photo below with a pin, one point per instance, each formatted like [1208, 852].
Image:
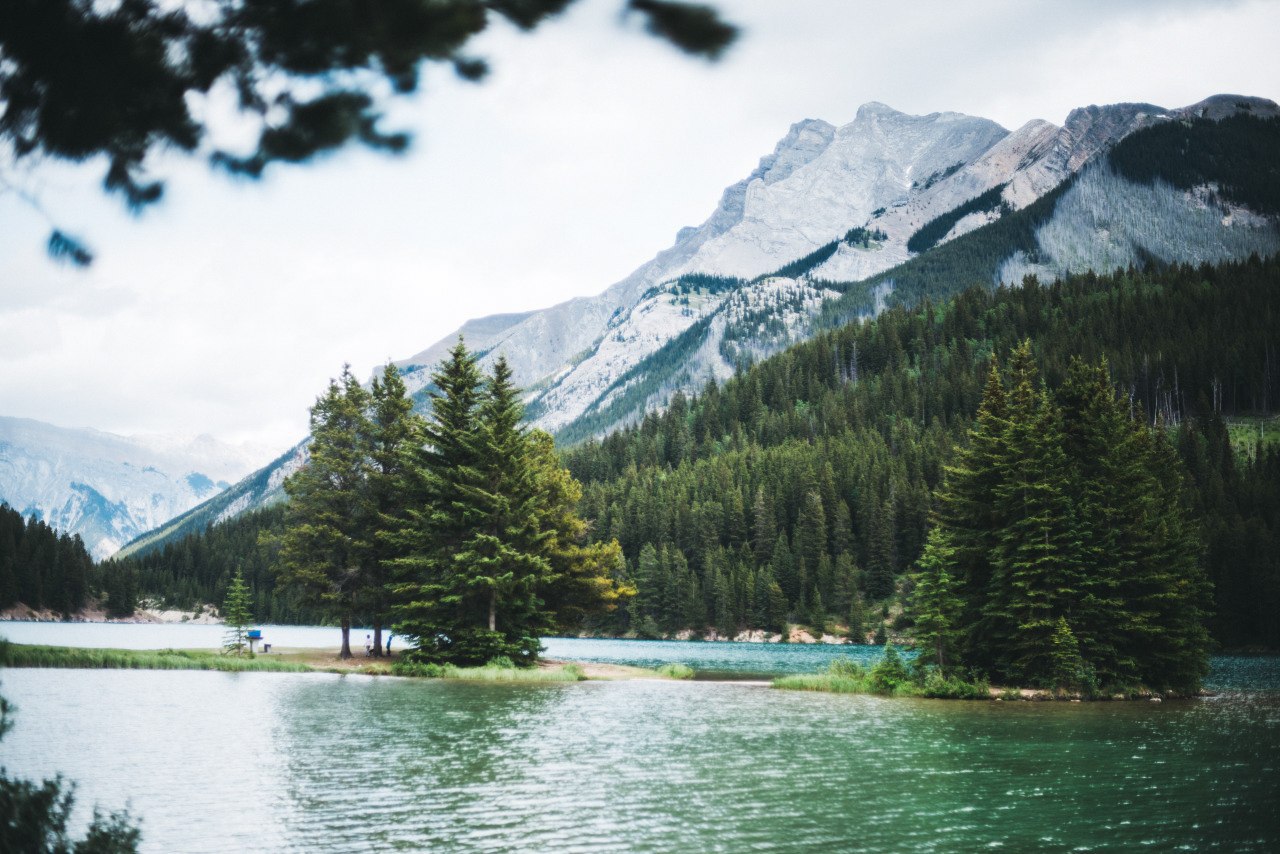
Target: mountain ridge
[593, 363]
[108, 488]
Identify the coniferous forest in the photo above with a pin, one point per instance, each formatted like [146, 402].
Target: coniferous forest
[40, 567]
[804, 489]
[459, 530]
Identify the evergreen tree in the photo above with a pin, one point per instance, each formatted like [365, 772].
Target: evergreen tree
[121, 589]
[492, 551]
[784, 569]
[325, 549]
[433, 610]
[967, 510]
[8, 561]
[811, 533]
[1109, 484]
[764, 527]
[935, 606]
[648, 579]
[857, 620]
[501, 564]
[1035, 574]
[586, 579]
[1067, 667]
[236, 613]
[393, 431]
[881, 553]
[1169, 593]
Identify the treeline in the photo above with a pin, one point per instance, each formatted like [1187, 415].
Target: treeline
[40, 567]
[1236, 153]
[1064, 553]
[458, 529]
[198, 568]
[814, 469]
[801, 489]
[929, 234]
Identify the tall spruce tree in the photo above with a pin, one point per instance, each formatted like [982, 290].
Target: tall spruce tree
[236, 614]
[325, 550]
[881, 553]
[1109, 484]
[1092, 574]
[435, 608]
[504, 555]
[935, 605]
[493, 553]
[966, 509]
[393, 430]
[1169, 593]
[1035, 573]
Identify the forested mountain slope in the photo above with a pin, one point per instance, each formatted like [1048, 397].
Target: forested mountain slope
[814, 469]
[1120, 185]
[801, 489]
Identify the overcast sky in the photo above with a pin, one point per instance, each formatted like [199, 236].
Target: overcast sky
[225, 309]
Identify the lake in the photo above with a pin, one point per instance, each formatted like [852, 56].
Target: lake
[736, 659]
[318, 762]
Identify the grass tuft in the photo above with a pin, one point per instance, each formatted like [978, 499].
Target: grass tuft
[676, 670]
[889, 678]
[494, 671]
[24, 655]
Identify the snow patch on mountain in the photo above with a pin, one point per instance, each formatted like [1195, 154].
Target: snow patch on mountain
[109, 488]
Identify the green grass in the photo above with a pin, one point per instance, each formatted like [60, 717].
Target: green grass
[676, 670]
[822, 682]
[1249, 434]
[489, 672]
[891, 679]
[23, 655]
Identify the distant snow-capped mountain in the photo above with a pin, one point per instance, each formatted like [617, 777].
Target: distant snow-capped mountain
[109, 488]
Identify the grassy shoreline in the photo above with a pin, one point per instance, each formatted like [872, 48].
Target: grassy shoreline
[843, 678]
[307, 661]
[892, 677]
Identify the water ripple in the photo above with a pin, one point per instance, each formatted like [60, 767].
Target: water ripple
[285, 762]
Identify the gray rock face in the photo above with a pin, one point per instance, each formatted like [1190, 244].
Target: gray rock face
[594, 363]
[885, 169]
[543, 343]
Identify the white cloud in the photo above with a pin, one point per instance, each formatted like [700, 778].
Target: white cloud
[227, 308]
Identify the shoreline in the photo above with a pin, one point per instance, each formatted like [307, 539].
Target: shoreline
[300, 660]
[207, 615]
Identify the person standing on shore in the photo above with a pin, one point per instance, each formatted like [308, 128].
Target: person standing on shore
[368, 646]
[388, 643]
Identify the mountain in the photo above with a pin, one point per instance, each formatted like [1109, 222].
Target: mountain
[109, 488]
[839, 222]
[262, 488]
[830, 208]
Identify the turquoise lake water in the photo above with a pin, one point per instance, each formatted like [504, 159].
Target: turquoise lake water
[318, 762]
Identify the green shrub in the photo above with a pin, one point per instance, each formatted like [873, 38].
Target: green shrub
[846, 668]
[476, 647]
[889, 672]
[937, 684]
[675, 670]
